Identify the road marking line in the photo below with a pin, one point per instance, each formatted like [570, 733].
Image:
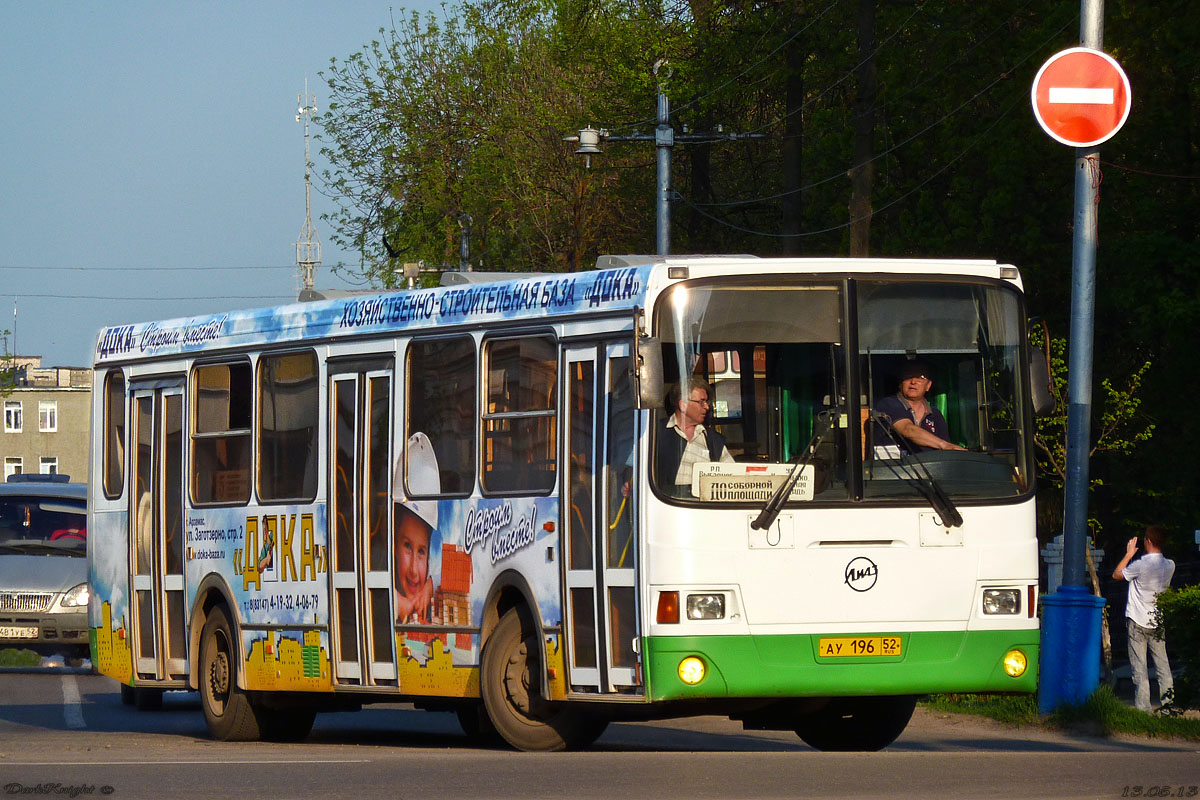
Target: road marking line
[219, 761]
[72, 706]
[1068, 94]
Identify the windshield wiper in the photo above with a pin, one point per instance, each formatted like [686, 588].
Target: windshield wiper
[922, 478]
[766, 517]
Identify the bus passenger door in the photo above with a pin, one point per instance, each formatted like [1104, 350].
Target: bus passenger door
[361, 627]
[600, 522]
[156, 533]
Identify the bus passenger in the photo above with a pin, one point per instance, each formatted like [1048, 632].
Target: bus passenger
[920, 424]
[415, 521]
[685, 441]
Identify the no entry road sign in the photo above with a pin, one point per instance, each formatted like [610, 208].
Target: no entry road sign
[1081, 97]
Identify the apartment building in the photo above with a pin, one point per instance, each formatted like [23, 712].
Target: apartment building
[46, 418]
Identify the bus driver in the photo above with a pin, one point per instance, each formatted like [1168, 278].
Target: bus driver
[920, 424]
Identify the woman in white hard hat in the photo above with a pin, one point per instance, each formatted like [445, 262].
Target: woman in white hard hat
[415, 522]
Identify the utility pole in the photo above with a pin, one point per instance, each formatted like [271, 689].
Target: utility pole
[664, 138]
[1081, 98]
[308, 245]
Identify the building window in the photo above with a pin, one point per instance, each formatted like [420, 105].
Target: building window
[12, 466]
[48, 416]
[12, 416]
[222, 399]
[48, 465]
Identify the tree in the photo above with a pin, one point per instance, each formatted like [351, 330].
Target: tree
[466, 114]
[1118, 428]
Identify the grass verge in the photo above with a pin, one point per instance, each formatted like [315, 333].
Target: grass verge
[1101, 714]
[13, 657]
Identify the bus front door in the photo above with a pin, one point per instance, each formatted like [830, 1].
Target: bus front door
[360, 436]
[601, 547]
[156, 533]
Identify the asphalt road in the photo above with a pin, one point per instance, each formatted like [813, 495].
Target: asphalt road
[68, 735]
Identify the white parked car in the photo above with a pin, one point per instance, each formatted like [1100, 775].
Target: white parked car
[43, 565]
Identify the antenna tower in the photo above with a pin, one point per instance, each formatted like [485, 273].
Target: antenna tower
[308, 244]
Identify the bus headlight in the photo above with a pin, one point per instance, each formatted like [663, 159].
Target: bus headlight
[706, 606]
[1001, 601]
[691, 670]
[1015, 663]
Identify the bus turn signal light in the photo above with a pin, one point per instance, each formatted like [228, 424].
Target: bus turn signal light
[668, 607]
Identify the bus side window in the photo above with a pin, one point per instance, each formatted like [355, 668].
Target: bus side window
[287, 426]
[221, 408]
[440, 400]
[114, 434]
[519, 441]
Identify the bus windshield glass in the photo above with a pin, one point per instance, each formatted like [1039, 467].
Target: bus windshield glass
[764, 373]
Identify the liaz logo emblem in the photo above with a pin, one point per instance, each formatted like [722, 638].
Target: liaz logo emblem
[861, 574]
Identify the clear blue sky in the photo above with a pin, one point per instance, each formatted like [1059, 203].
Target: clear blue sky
[149, 151]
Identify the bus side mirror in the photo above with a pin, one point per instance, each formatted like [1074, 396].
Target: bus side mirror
[1039, 383]
[649, 373]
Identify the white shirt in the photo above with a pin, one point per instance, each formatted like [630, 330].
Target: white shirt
[696, 451]
[1147, 576]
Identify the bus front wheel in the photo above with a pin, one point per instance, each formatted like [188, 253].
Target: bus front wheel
[857, 723]
[511, 686]
[227, 709]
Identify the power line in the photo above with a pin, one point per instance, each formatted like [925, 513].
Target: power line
[22, 295]
[875, 212]
[41, 268]
[839, 175]
[1148, 173]
[740, 75]
[896, 32]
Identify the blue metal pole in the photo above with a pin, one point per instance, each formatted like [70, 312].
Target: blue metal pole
[664, 140]
[1071, 617]
[1079, 378]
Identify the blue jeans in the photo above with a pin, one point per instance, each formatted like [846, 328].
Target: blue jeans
[1141, 639]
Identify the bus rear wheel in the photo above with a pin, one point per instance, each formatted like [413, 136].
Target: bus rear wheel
[511, 686]
[227, 709]
[857, 723]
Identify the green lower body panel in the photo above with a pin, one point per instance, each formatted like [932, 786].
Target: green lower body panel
[793, 666]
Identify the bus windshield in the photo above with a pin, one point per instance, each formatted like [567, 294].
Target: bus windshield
[764, 371]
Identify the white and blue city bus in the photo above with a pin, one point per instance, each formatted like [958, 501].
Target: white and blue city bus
[451, 497]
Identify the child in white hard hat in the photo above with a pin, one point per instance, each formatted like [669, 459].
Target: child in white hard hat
[414, 523]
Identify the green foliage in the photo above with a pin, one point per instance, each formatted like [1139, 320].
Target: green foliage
[15, 657]
[1012, 709]
[464, 112]
[1118, 427]
[7, 374]
[1179, 615]
[1103, 713]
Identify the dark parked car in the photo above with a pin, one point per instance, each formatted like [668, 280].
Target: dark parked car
[43, 565]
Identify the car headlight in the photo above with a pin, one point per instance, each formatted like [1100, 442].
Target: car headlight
[76, 597]
[1001, 601]
[706, 606]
